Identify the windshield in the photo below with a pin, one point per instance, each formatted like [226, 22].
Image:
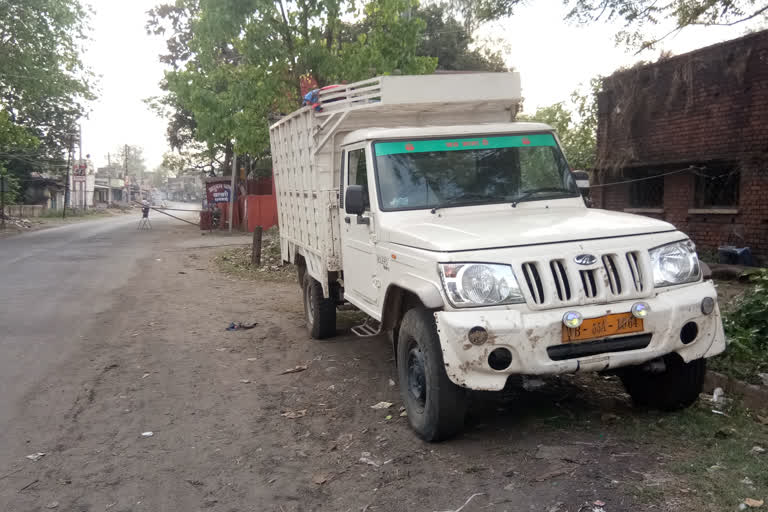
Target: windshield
[437, 173]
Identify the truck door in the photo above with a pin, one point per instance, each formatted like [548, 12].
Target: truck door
[358, 241]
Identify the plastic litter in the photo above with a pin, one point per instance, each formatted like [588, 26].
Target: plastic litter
[757, 450]
[239, 326]
[752, 503]
[147, 434]
[53, 504]
[382, 405]
[36, 456]
[718, 396]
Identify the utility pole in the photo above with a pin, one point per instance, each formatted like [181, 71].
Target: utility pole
[232, 191]
[125, 176]
[80, 163]
[66, 184]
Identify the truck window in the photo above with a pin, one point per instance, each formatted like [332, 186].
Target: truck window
[430, 173]
[358, 173]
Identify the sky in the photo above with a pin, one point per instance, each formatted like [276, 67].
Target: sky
[552, 56]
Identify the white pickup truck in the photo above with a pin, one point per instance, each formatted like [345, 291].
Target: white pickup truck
[463, 235]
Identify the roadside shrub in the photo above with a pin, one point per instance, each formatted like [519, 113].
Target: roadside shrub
[746, 326]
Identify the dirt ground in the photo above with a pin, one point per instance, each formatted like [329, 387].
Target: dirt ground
[230, 433]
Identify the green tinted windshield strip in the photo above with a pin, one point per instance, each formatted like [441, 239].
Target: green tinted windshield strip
[428, 146]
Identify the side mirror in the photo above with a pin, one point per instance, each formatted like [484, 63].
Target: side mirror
[354, 200]
[582, 180]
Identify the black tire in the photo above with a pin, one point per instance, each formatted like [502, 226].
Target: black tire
[675, 388]
[319, 312]
[436, 406]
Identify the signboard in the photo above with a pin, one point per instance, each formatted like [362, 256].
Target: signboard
[78, 178]
[218, 191]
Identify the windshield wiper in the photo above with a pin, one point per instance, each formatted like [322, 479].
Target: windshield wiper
[458, 200]
[529, 194]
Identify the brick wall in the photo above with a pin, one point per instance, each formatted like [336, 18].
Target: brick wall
[705, 107]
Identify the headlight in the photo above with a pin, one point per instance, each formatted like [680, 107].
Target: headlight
[675, 263]
[480, 284]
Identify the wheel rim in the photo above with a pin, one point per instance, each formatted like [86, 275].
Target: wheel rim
[309, 303]
[417, 376]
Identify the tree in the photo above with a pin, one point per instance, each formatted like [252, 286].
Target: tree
[235, 64]
[135, 155]
[449, 41]
[640, 15]
[575, 125]
[44, 86]
[16, 144]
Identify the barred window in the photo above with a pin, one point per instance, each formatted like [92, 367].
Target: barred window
[648, 193]
[717, 188]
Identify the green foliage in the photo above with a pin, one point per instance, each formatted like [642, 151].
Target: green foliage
[447, 39]
[575, 125]
[236, 64]
[44, 85]
[640, 16]
[746, 325]
[14, 141]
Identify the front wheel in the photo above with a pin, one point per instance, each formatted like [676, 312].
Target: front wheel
[677, 387]
[319, 311]
[436, 406]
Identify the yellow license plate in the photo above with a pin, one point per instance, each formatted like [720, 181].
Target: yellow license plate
[604, 326]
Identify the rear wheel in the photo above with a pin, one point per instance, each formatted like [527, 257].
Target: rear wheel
[436, 406]
[320, 312]
[677, 387]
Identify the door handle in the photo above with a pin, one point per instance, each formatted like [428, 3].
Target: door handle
[347, 220]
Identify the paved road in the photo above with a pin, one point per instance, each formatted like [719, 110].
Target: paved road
[52, 283]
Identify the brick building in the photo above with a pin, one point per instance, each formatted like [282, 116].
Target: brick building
[695, 126]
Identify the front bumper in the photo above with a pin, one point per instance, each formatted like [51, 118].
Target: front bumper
[527, 335]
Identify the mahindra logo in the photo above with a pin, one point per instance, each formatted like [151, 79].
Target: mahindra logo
[585, 259]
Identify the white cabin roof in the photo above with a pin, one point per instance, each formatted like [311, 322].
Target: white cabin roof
[421, 132]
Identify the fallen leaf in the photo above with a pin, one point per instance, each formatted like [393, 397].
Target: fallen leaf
[295, 369]
[252, 359]
[320, 478]
[245, 381]
[292, 415]
[753, 503]
[403, 414]
[388, 417]
[762, 419]
[382, 405]
[53, 504]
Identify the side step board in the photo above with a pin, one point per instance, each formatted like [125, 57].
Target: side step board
[368, 329]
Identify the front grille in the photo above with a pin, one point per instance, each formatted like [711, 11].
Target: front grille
[588, 283]
[633, 261]
[562, 285]
[558, 282]
[533, 280]
[612, 271]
